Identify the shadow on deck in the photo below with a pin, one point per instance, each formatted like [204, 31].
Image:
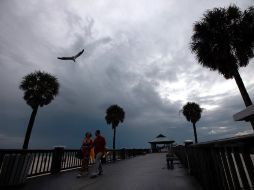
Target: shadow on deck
[146, 172]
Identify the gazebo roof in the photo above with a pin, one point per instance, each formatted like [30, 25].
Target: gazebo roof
[161, 139]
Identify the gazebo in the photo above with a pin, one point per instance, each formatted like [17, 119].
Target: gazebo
[162, 140]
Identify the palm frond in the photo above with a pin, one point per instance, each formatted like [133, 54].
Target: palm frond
[223, 39]
[40, 88]
[114, 115]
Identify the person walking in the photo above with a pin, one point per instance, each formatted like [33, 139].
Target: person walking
[87, 144]
[99, 150]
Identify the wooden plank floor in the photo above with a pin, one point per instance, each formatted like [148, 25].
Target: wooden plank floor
[147, 172]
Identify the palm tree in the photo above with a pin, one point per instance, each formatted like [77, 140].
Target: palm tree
[223, 40]
[114, 115]
[40, 88]
[192, 113]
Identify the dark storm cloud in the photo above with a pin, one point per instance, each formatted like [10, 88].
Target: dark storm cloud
[140, 61]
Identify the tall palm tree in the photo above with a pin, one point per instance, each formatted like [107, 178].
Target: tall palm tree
[40, 88]
[192, 113]
[223, 40]
[114, 115]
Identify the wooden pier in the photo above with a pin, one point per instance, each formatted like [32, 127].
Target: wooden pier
[226, 164]
[146, 172]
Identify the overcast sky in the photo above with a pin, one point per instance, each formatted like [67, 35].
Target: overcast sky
[137, 55]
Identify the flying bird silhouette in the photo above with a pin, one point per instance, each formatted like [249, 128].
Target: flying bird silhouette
[73, 58]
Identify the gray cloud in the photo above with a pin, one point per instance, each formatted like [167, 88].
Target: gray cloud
[140, 61]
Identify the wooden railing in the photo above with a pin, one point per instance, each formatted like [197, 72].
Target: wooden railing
[56, 160]
[222, 165]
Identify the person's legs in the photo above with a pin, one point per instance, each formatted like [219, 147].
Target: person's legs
[96, 168]
[83, 168]
[86, 163]
[100, 167]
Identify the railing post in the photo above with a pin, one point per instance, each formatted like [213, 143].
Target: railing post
[57, 159]
[188, 143]
[123, 154]
[1, 158]
[134, 152]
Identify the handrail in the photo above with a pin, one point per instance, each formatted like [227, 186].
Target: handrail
[59, 159]
[222, 164]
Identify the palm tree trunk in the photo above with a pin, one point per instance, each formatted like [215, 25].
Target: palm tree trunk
[114, 144]
[30, 127]
[195, 132]
[244, 93]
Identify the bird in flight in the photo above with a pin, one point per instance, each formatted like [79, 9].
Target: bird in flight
[73, 58]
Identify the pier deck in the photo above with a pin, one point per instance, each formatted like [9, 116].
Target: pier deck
[148, 172]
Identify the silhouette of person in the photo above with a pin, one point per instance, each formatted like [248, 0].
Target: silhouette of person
[99, 150]
[87, 144]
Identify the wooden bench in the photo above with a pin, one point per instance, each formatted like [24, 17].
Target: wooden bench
[170, 157]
